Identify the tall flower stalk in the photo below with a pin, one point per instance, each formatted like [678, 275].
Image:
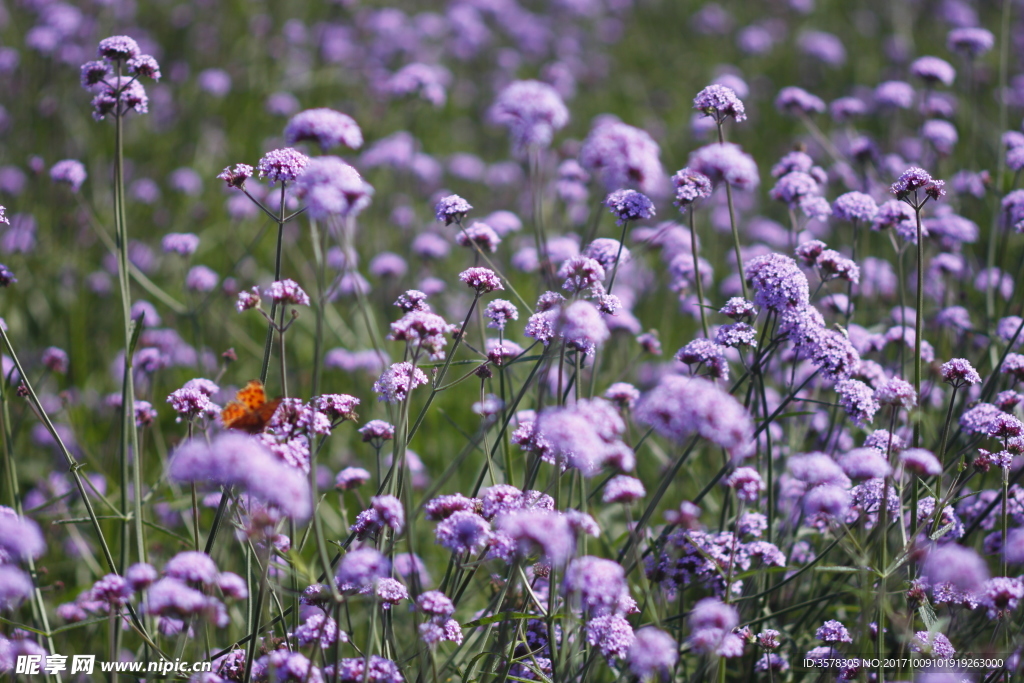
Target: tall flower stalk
[915, 187]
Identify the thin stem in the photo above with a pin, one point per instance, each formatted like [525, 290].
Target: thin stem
[697, 283]
[732, 222]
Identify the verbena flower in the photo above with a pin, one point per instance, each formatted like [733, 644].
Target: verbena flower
[452, 208]
[629, 205]
[282, 165]
[331, 187]
[720, 102]
[325, 127]
[532, 111]
[70, 172]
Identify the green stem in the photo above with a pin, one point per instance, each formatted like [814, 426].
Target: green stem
[697, 283]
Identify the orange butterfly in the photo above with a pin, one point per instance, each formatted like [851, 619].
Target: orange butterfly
[250, 411]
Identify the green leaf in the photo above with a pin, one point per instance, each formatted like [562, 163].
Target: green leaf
[839, 570]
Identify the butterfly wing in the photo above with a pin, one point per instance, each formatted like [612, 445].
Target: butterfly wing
[249, 411]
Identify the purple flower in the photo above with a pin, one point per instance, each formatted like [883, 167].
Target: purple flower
[914, 179]
[532, 111]
[858, 399]
[747, 483]
[435, 604]
[118, 96]
[942, 135]
[284, 165]
[959, 372]
[463, 532]
[183, 244]
[933, 70]
[397, 381]
[287, 292]
[377, 430]
[600, 585]
[20, 537]
[931, 643]
[533, 529]
[481, 235]
[350, 478]
[690, 186]
[69, 171]
[582, 327]
[623, 156]
[682, 406]
[833, 631]
[970, 42]
[793, 187]
[778, 282]
[201, 279]
[234, 459]
[173, 598]
[248, 299]
[236, 177]
[950, 563]
[325, 127]
[711, 625]
[15, 587]
[896, 392]
[331, 187]
[355, 670]
[921, 462]
[855, 206]
[500, 312]
[452, 209]
[726, 163]
[319, 627]
[611, 634]
[846, 109]
[865, 463]
[428, 81]
[824, 47]
[483, 280]
[829, 500]
[792, 99]
[144, 65]
[629, 205]
[623, 489]
[719, 102]
[653, 654]
[192, 567]
[360, 568]
[6, 276]
[118, 48]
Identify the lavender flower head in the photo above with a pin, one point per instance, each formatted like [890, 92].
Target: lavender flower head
[833, 632]
[623, 156]
[234, 459]
[690, 186]
[954, 564]
[855, 206]
[896, 392]
[70, 172]
[452, 209]
[933, 70]
[682, 406]
[797, 100]
[396, 382]
[959, 372]
[363, 567]
[532, 111]
[653, 654]
[921, 462]
[118, 48]
[970, 42]
[500, 312]
[483, 280]
[719, 102]
[331, 187]
[582, 327]
[284, 165]
[629, 205]
[287, 292]
[726, 163]
[325, 127]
